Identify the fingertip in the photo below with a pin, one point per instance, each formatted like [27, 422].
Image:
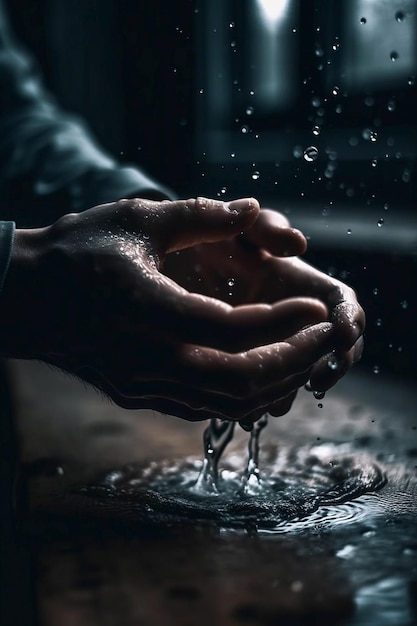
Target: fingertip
[241, 205]
[246, 425]
[299, 242]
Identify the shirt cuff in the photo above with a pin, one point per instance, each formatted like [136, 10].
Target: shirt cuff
[6, 245]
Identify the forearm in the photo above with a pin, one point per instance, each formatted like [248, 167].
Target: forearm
[47, 155]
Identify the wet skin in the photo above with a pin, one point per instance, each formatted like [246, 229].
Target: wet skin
[133, 297]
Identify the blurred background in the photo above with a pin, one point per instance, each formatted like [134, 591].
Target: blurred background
[310, 106]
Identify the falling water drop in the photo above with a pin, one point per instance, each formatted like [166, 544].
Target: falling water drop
[249, 111]
[363, 20]
[394, 56]
[310, 154]
[375, 369]
[380, 222]
[255, 175]
[319, 395]
[400, 16]
[369, 135]
[251, 482]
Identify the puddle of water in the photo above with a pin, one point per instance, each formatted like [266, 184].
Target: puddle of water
[301, 488]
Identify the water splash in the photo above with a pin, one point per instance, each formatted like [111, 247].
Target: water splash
[251, 481]
[300, 488]
[215, 439]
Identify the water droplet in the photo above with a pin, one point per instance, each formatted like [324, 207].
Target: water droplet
[231, 282]
[400, 16]
[363, 20]
[320, 405]
[391, 106]
[297, 152]
[244, 129]
[318, 51]
[316, 130]
[411, 80]
[249, 111]
[349, 231]
[310, 154]
[223, 190]
[375, 291]
[406, 175]
[404, 304]
[369, 135]
[346, 552]
[394, 56]
[336, 46]
[374, 162]
[379, 322]
[380, 222]
[319, 395]
[375, 369]
[255, 175]
[332, 363]
[335, 91]
[315, 102]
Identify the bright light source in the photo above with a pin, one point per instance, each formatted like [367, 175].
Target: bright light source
[273, 10]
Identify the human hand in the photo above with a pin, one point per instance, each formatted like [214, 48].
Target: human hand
[87, 295]
[252, 268]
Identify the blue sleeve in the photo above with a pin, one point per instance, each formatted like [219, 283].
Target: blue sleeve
[6, 244]
[47, 154]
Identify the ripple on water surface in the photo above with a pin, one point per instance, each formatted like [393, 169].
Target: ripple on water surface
[300, 488]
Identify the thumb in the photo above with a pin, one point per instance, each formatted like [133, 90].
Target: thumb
[186, 223]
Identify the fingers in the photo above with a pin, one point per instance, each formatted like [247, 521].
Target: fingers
[298, 278]
[186, 223]
[196, 319]
[349, 318]
[246, 374]
[272, 232]
[331, 368]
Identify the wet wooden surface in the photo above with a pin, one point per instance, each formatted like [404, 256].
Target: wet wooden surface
[69, 434]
